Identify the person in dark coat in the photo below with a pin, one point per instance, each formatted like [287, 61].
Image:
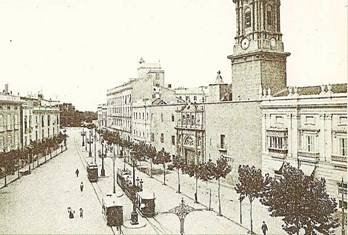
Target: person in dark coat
[81, 186]
[264, 228]
[81, 213]
[77, 172]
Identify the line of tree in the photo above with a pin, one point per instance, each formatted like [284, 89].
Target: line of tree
[204, 171]
[302, 201]
[9, 161]
[75, 118]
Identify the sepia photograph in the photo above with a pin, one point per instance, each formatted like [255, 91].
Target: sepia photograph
[217, 117]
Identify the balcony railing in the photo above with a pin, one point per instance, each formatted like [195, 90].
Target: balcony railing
[342, 190]
[278, 153]
[339, 158]
[310, 156]
[189, 126]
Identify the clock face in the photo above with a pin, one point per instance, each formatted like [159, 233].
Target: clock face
[245, 43]
[273, 42]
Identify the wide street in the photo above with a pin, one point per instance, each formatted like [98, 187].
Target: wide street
[38, 203]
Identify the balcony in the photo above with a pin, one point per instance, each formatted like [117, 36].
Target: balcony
[308, 156]
[278, 153]
[339, 158]
[189, 126]
[339, 161]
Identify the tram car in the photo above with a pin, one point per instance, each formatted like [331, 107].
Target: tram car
[92, 172]
[146, 203]
[122, 178]
[112, 210]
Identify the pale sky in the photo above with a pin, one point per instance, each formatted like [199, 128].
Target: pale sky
[74, 50]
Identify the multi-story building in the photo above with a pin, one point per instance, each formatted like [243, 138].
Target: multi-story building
[10, 127]
[120, 99]
[307, 127]
[40, 119]
[233, 120]
[102, 116]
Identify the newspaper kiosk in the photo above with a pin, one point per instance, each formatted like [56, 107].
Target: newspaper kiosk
[92, 172]
[146, 203]
[112, 210]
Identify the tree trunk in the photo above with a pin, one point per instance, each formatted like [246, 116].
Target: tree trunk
[251, 216]
[164, 174]
[178, 181]
[240, 212]
[219, 196]
[196, 194]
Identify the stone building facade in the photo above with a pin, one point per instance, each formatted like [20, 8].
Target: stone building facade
[234, 120]
[307, 127]
[10, 116]
[102, 116]
[40, 119]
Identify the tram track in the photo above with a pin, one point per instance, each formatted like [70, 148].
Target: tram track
[95, 186]
[157, 227]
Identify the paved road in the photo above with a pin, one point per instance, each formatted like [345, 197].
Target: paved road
[38, 203]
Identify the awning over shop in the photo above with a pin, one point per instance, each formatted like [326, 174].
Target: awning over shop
[278, 169]
[308, 170]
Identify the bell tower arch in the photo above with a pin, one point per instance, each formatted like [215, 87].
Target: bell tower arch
[258, 59]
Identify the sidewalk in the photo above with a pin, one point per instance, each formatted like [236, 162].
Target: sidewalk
[17, 174]
[203, 222]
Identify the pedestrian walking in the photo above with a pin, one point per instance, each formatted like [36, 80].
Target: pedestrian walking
[77, 172]
[71, 213]
[264, 228]
[81, 186]
[81, 213]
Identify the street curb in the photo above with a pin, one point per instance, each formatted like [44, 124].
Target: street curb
[127, 224]
[40, 164]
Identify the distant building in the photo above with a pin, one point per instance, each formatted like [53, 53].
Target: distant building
[255, 120]
[102, 116]
[40, 119]
[10, 116]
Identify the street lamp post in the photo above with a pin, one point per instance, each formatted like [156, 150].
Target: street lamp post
[134, 214]
[181, 212]
[90, 141]
[102, 172]
[113, 169]
[83, 134]
[342, 207]
[95, 147]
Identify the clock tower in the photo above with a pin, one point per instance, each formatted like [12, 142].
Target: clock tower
[258, 59]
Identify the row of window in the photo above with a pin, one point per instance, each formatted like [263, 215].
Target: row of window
[308, 145]
[10, 142]
[121, 100]
[49, 122]
[9, 122]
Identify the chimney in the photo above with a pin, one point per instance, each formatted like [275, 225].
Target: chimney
[6, 88]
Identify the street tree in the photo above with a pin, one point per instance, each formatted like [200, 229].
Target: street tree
[302, 201]
[207, 172]
[162, 157]
[179, 164]
[195, 170]
[220, 170]
[151, 153]
[251, 185]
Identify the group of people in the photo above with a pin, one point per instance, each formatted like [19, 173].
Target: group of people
[71, 212]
